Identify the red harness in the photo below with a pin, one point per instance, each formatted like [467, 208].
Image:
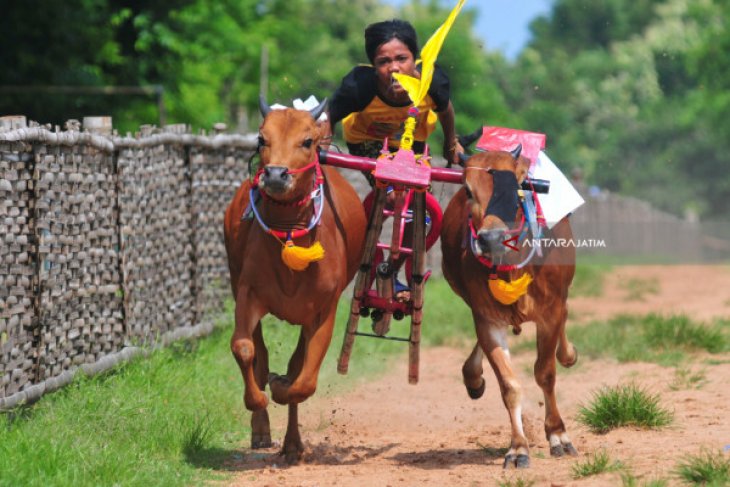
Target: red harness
[484, 260]
[318, 183]
[319, 179]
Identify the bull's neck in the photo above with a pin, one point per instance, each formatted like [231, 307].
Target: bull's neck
[286, 217]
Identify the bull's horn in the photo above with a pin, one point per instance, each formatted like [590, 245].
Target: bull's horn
[263, 105]
[318, 110]
[516, 151]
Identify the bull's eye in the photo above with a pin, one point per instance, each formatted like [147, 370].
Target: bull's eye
[261, 142]
[307, 143]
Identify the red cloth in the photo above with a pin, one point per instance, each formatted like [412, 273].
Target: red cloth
[505, 139]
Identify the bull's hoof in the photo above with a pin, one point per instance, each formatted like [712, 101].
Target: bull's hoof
[279, 386]
[569, 449]
[575, 357]
[477, 392]
[260, 429]
[516, 461]
[292, 452]
[558, 451]
[261, 441]
[570, 363]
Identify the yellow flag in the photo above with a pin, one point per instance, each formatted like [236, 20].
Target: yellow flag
[417, 89]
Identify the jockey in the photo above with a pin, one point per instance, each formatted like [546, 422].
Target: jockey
[373, 106]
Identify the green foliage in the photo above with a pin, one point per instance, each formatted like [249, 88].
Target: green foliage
[707, 468]
[624, 405]
[597, 463]
[632, 92]
[650, 338]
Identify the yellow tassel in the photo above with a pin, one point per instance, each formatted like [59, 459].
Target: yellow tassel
[298, 258]
[509, 292]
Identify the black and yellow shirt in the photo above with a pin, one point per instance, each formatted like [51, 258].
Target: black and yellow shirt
[367, 117]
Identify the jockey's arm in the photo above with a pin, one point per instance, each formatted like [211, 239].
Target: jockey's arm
[451, 147]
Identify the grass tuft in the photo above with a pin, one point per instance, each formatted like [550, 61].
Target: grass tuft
[638, 288]
[686, 378]
[707, 468]
[629, 480]
[196, 436]
[624, 405]
[517, 482]
[650, 338]
[597, 463]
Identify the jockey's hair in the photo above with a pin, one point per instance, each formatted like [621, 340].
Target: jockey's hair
[379, 33]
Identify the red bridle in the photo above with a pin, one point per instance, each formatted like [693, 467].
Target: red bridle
[319, 179]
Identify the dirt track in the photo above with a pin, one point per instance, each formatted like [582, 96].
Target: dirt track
[389, 433]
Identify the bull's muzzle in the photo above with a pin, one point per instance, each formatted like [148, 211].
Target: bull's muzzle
[276, 179]
[491, 242]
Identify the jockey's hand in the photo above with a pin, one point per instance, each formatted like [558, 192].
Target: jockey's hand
[452, 149]
[325, 129]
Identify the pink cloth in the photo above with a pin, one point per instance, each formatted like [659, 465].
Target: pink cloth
[505, 139]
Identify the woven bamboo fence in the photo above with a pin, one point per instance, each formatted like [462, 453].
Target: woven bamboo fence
[109, 246]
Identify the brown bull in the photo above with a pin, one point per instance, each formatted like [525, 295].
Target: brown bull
[469, 254]
[290, 189]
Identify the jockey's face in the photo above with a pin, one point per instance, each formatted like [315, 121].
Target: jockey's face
[393, 57]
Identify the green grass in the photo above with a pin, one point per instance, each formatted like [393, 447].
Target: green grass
[706, 468]
[447, 320]
[637, 289]
[177, 416]
[687, 378]
[516, 482]
[597, 463]
[589, 280]
[156, 421]
[629, 480]
[173, 418]
[650, 338]
[624, 405]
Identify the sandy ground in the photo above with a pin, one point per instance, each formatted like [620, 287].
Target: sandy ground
[389, 433]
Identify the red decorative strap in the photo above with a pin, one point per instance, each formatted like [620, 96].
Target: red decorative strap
[318, 181]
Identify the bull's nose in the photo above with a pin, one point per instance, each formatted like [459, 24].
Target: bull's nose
[490, 241]
[276, 177]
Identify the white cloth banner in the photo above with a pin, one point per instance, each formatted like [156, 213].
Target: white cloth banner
[562, 198]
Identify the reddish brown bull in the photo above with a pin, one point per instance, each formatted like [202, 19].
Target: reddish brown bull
[286, 201]
[489, 200]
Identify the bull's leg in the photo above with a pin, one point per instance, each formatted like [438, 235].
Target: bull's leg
[493, 340]
[293, 447]
[316, 340]
[248, 313]
[472, 371]
[567, 352]
[260, 429]
[548, 335]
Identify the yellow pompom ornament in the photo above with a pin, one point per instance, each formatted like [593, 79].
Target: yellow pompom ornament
[509, 292]
[298, 258]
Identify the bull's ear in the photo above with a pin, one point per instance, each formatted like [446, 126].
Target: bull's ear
[263, 105]
[317, 111]
[516, 151]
